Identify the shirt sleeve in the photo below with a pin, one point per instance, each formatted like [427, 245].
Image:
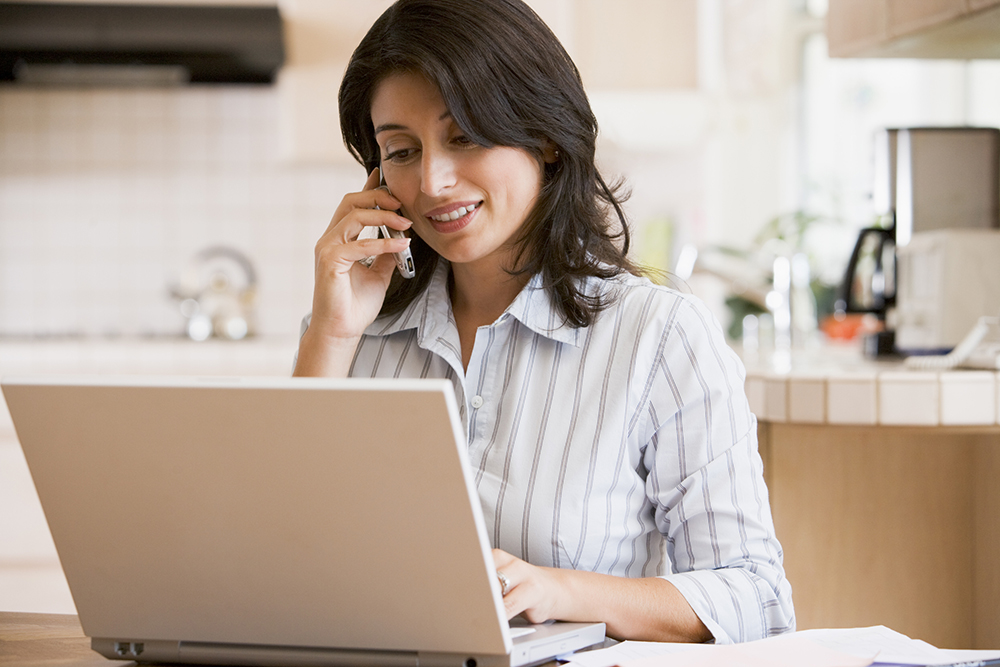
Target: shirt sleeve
[707, 486]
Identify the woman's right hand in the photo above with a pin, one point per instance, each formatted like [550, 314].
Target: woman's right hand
[348, 295]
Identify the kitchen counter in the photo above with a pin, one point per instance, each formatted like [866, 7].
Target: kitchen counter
[167, 355]
[882, 484]
[837, 385]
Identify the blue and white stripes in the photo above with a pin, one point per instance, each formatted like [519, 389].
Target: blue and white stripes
[625, 448]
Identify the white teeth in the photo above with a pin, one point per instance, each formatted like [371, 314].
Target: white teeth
[456, 214]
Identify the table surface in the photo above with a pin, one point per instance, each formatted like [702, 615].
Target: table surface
[46, 640]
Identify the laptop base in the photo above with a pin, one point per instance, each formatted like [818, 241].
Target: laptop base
[568, 637]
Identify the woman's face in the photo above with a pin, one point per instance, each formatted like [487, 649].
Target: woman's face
[466, 201]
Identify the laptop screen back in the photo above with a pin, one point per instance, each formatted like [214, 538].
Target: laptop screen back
[324, 513]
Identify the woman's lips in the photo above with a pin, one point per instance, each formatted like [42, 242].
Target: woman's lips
[450, 219]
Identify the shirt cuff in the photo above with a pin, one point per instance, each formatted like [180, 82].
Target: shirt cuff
[722, 602]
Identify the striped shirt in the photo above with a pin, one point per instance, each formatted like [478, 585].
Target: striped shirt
[626, 448]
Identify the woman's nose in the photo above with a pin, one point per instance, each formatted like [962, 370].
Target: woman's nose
[437, 173]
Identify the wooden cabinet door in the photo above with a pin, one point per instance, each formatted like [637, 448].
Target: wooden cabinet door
[906, 16]
[852, 25]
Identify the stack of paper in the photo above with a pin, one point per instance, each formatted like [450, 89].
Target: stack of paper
[855, 647]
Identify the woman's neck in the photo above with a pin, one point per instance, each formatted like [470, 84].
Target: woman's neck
[480, 295]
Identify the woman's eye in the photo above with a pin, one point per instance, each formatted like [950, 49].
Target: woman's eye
[400, 155]
[463, 140]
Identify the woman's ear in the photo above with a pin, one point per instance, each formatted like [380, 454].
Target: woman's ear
[550, 154]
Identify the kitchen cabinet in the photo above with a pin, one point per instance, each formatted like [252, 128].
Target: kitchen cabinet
[882, 486]
[890, 526]
[913, 15]
[962, 29]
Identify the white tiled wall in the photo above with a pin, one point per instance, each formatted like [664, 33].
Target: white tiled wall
[106, 194]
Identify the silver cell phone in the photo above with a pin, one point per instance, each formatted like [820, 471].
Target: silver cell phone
[404, 260]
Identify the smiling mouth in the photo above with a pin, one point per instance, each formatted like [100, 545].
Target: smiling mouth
[459, 212]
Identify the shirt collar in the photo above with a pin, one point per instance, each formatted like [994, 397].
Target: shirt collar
[430, 313]
[535, 309]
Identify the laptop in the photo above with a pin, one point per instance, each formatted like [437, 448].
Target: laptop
[277, 521]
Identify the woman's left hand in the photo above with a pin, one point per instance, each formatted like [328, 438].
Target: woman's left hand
[531, 590]
[646, 608]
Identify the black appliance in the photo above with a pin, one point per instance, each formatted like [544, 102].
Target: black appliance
[43, 43]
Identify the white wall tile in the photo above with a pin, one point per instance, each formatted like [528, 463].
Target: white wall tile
[96, 185]
[18, 105]
[776, 398]
[807, 399]
[968, 397]
[19, 146]
[909, 398]
[754, 389]
[852, 398]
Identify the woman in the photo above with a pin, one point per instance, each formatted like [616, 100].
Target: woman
[611, 442]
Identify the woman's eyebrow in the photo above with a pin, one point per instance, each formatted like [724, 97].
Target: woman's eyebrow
[389, 126]
[395, 126]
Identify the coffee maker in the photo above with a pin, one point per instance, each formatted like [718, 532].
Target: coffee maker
[926, 178]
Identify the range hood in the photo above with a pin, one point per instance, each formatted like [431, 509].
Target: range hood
[47, 43]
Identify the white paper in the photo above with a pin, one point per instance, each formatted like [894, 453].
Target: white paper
[628, 651]
[893, 648]
[876, 645]
[784, 651]
[791, 650]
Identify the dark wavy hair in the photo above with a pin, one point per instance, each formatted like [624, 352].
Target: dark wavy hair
[507, 81]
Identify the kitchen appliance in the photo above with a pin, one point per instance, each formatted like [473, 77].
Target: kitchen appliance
[869, 285]
[939, 178]
[948, 280]
[102, 43]
[217, 294]
[926, 178]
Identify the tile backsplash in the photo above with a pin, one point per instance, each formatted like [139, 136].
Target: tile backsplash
[106, 195]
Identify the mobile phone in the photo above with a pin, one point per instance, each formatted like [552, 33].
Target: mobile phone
[404, 260]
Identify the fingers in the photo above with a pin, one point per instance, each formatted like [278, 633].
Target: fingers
[333, 258]
[359, 221]
[344, 243]
[374, 179]
[503, 561]
[370, 198]
[346, 296]
[529, 589]
[501, 558]
[524, 595]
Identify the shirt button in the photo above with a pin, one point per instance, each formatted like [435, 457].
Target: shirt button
[477, 402]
